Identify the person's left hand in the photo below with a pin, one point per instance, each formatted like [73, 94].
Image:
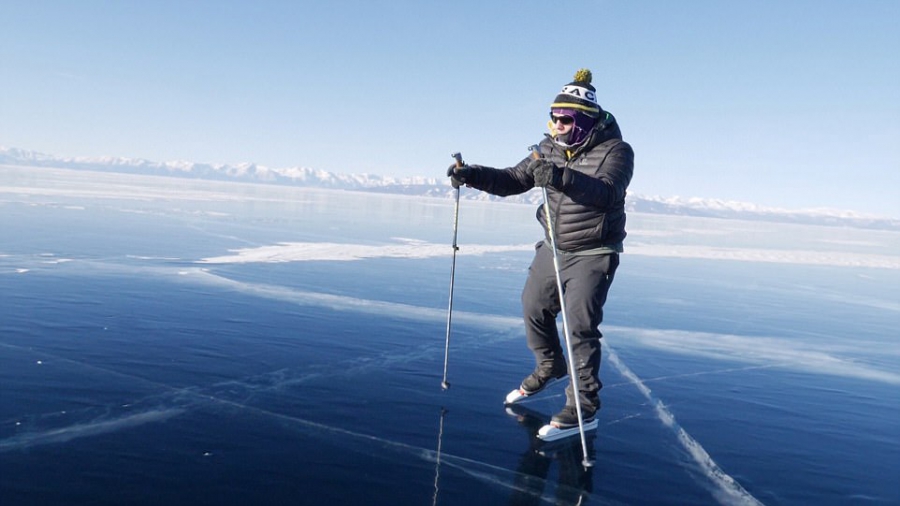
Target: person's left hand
[544, 173]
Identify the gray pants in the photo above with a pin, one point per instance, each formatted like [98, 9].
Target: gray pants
[586, 280]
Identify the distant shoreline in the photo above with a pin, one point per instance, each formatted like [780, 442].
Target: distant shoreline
[438, 188]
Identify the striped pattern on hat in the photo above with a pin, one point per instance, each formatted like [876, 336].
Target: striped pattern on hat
[579, 95]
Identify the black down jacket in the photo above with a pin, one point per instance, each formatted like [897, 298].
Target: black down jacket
[588, 206]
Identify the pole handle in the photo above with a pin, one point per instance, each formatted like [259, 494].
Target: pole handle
[535, 151]
[459, 161]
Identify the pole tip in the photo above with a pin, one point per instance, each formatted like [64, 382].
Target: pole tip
[587, 463]
[445, 385]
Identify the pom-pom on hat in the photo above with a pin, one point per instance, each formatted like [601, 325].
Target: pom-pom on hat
[579, 95]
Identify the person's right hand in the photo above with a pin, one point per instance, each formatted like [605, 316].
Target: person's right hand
[544, 173]
[461, 175]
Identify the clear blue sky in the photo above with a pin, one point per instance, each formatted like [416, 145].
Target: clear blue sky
[786, 103]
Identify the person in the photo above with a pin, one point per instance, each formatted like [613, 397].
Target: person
[585, 167]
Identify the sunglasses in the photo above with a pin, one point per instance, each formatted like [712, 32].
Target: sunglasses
[565, 120]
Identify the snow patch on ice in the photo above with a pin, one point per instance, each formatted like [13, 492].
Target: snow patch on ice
[346, 303]
[325, 251]
[753, 349]
[417, 249]
[145, 257]
[57, 261]
[804, 257]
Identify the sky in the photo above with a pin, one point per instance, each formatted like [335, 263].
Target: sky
[792, 104]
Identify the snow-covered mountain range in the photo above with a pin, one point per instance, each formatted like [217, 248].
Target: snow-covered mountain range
[430, 186]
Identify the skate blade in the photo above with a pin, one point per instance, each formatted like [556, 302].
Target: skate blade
[551, 432]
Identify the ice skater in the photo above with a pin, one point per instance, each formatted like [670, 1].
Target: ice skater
[585, 168]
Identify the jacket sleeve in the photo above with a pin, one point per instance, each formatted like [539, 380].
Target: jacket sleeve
[504, 182]
[606, 189]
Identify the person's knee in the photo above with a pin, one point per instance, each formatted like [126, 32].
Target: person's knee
[534, 307]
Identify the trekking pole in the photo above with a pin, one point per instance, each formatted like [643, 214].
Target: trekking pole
[445, 384]
[536, 154]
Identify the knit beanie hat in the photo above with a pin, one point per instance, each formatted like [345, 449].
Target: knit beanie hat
[579, 95]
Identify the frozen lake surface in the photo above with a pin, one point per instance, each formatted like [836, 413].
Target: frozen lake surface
[170, 341]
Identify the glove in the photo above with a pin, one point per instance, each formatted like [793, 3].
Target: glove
[544, 173]
[464, 175]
